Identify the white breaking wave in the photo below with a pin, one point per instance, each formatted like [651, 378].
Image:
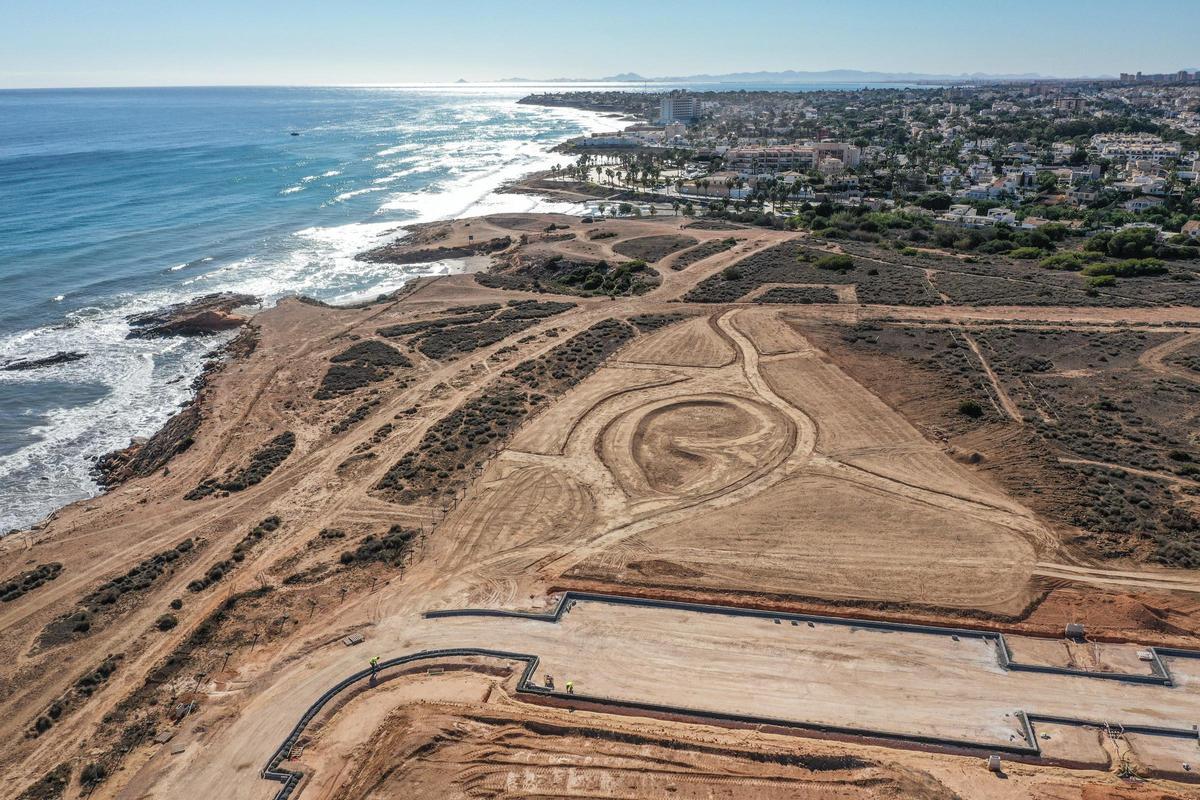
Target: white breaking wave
[344, 196]
[136, 380]
[139, 383]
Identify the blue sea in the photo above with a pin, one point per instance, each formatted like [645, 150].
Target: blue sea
[117, 201]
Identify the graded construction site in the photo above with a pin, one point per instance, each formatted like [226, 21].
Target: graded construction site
[636, 508]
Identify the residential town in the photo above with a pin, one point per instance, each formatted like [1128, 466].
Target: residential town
[1090, 156]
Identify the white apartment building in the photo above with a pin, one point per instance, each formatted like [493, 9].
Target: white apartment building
[965, 216]
[679, 108]
[1139, 147]
[757, 159]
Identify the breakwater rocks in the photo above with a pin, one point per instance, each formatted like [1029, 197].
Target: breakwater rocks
[203, 316]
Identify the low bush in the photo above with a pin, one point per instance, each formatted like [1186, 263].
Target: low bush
[652, 322]
[997, 246]
[219, 570]
[28, 581]
[263, 462]
[1071, 262]
[533, 309]
[93, 775]
[798, 295]
[388, 549]
[835, 263]
[481, 426]
[1027, 253]
[703, 251]
[970, 408]
[362, 364]
[83, 688]
[409, 328]
[354, 417]
[1130, 268]
[586, 278]
[103, 602]
[50, 786]
[372, 351]
[653, 248]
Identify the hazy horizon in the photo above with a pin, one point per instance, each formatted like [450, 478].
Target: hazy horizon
[138, 43]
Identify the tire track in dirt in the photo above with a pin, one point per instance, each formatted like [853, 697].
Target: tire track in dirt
[1006, 402]
[799, 451]
[1155, 358]
[1149, 581]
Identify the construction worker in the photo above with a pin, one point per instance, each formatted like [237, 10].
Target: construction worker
[374, 666]
[570, 687]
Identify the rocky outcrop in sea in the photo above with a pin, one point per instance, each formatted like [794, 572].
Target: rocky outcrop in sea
[203, 316]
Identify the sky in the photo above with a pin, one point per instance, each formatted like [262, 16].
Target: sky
[52, 43]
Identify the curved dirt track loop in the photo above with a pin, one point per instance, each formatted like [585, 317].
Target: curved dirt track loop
[695, 342]
[557, 424]
[912, 526]
[797, 450]
[694, 445]
[671, 455]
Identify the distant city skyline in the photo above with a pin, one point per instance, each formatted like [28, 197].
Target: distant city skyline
[221, 42]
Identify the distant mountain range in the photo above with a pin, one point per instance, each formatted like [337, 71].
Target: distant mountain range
[796, 76]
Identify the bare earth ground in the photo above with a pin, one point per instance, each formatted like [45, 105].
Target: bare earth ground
[738, 456]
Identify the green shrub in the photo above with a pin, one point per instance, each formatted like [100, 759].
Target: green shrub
[996, 246]
[93, 774]
[837, 263]
[1100, 281]
[1133, 243]
[970, 408]
[1098, 243]
[166, 622]
[1027, 253]
[1072, 262]
[1130, 268]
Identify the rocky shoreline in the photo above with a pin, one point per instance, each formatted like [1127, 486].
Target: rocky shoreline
[143, 457]
[398, 252]
[203, 316]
